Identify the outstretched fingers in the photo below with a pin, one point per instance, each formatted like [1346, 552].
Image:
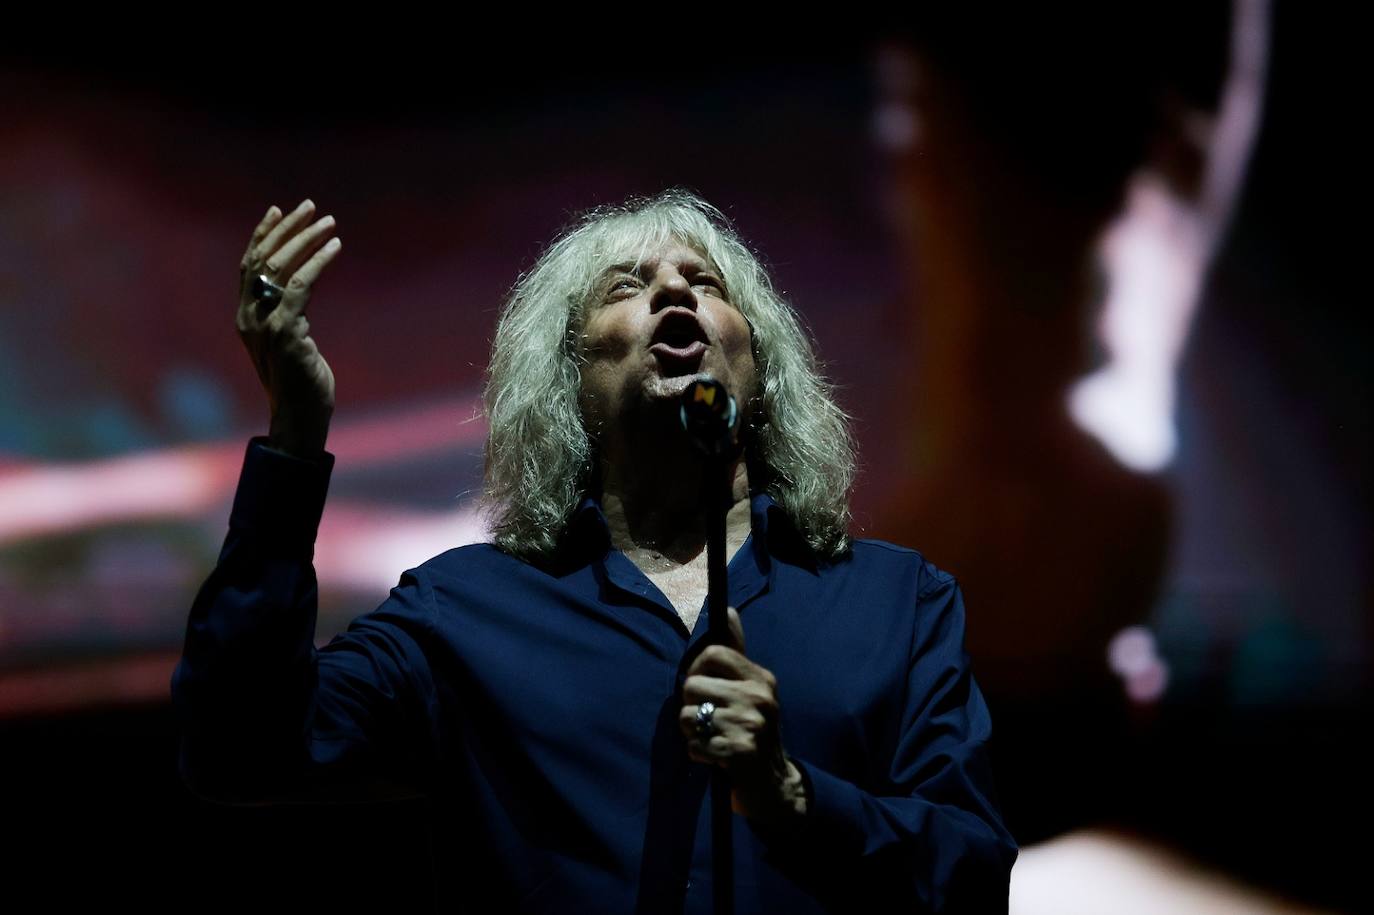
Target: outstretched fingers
[290, 250]
[297, 249]
[280, 234]
[269, 222]
[297, 294]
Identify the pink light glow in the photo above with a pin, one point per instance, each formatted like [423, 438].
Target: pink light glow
[43, 499]
[48, 499]
[362, 547]
[1133, 656]
[366, 547]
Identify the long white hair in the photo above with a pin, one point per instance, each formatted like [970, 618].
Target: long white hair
[539, 457]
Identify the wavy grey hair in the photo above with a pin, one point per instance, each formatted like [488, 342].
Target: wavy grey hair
[539, 457]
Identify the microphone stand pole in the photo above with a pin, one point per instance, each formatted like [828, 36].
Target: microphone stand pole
[718, 633]
[711, 418]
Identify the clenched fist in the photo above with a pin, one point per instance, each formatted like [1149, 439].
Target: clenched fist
[290, 251]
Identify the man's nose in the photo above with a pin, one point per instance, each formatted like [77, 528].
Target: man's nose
[671, 288]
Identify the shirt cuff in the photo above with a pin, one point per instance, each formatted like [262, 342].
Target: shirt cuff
[280, 497]
[833, 822]
[834, 811]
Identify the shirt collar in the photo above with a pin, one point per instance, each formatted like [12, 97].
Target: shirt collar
[588, 536]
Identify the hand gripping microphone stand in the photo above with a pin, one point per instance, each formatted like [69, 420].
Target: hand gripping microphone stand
[711, 418]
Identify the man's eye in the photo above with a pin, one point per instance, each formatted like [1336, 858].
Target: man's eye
[624, 282]
[711, 283]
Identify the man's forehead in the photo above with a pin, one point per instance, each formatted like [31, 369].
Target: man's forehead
[649, 258]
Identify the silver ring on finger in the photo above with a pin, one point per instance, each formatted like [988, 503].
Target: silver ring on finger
[705, 725]
[265, 292]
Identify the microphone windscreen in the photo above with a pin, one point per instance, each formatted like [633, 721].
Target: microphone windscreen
[711, 416]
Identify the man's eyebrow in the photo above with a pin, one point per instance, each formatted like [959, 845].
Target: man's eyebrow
[697, 264]
[631, 267]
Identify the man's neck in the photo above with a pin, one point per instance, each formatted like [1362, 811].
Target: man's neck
[657, 512]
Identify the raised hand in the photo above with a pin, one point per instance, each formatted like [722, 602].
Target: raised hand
[291, 251]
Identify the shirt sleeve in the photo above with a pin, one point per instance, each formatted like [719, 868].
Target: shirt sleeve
[264, 715]
[933, 836]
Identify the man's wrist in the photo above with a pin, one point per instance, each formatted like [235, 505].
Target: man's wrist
[795, 792]
[783, 799]
[298, 437]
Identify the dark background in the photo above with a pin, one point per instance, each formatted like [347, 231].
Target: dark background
[130, 182]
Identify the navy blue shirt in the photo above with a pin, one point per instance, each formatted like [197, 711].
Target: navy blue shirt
[537, 705]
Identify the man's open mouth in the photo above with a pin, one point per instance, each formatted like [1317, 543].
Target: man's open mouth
[681, 359]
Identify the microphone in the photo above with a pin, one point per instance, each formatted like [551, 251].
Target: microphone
[711, 418]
